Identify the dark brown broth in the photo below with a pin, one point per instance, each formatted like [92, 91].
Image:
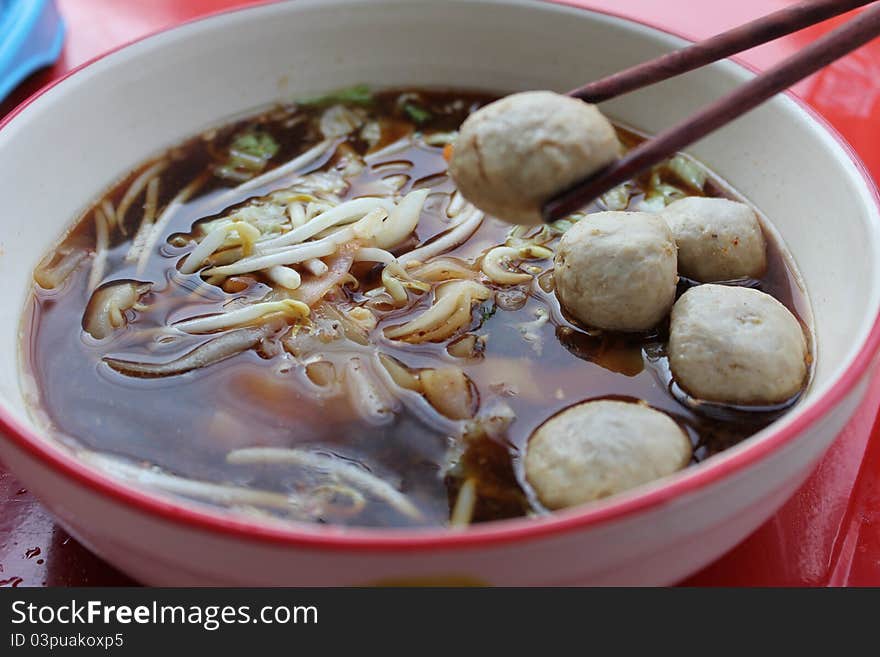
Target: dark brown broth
[187, 424]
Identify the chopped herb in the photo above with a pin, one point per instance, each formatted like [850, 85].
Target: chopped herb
[249, 153]
[357, 95]
[617, 198]
[418, 114]
[659, 191]
[651, 204]
[688, 171]
[562, 225]
[486, 313]
[255, 144]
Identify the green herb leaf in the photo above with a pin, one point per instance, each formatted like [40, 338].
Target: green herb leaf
[651, 204]
[255, 144]
[418, 114]
[486, 313]
[660, 191]
[617, 198]
[357, 95]
[688, 171]
[249, 152]
[562, 225]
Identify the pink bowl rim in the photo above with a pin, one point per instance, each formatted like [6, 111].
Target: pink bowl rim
[500, 532]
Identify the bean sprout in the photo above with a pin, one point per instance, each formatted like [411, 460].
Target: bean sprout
[451, 311]
[372, 254]
[288, 256]
[366, 393]
[336, 467]
[402, 220]
[315, 266]
[151, 202]
[284, 276]
[343, 213]
[297, 214]
[457, 203]
[244, 232]
[216, 493]
[54, 270]
[105, 311]
[137, 186]
[456, 235]
[159, 226]
[290, 308]
[99, 263]
[396, 282]
[497, 261]
[463, 511]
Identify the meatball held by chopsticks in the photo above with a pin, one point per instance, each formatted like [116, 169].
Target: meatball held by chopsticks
[516, 153]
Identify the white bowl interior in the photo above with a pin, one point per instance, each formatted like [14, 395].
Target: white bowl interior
[75, 140]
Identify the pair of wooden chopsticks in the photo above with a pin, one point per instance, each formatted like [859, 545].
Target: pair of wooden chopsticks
[834, 45]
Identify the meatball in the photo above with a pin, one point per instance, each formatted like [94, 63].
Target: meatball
[513, 155]
[617, 270]
[736, 345]
[718, 239]
[599, 448]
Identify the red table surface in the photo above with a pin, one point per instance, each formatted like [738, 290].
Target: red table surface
[828, 534]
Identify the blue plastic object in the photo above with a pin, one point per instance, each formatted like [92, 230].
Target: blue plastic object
[31, 36]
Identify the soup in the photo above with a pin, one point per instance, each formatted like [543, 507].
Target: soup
[297, 316]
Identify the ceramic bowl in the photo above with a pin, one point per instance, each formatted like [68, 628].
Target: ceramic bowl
[73, 140]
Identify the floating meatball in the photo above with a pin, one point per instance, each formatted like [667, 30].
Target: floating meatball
[617, 270]
[736, 345]
[599, 448]
[513, 155]
[718, 239]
